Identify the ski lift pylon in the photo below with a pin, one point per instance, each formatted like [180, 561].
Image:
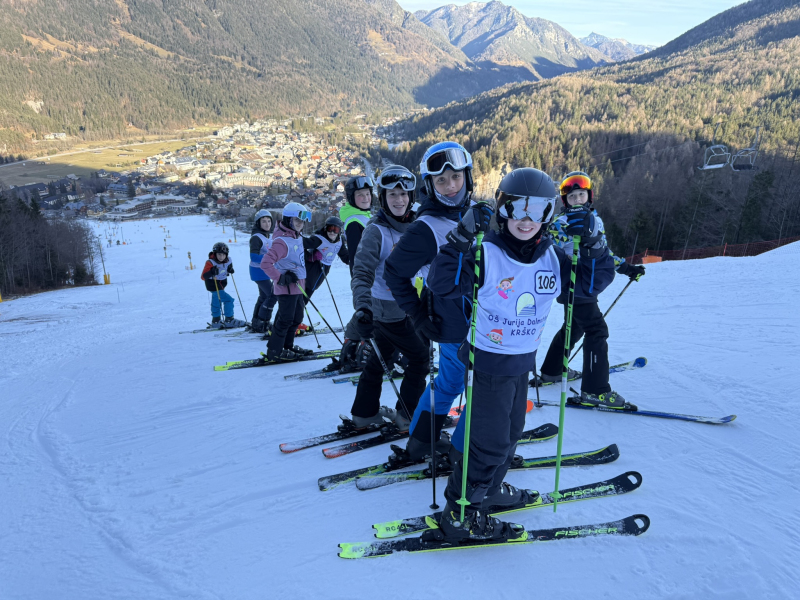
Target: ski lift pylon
[716, 155]
[745, 159]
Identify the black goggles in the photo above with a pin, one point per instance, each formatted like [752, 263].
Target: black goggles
[389, 181]
[364, 182]
[452, 157]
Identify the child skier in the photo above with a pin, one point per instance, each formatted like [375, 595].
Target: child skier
[525, 203]
[587, 319]
[215, 274]
[259, 246]
[355, 214]
[322, 248]
[378, 315]
[446, 170]
[285, 265]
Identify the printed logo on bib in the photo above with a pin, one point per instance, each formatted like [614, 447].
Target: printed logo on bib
[496, 336]
[526, 305]
[545, 282]
[504, 288]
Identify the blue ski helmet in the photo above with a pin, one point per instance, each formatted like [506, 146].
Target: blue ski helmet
[442, 156]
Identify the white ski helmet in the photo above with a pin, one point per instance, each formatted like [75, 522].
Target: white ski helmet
[264, 213]
[294, 210]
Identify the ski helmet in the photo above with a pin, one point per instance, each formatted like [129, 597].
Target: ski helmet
[220, 247]
[526, 192]
[294, 210]
[392, 177]
[577, 180]
[358, 183]
[261, 214]
[334, 224]
[442, 156]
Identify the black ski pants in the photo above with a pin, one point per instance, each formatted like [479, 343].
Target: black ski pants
[266, 301]
[315, 276]
[290, 315]
[398, 335]
[588, 321]
[499, 404]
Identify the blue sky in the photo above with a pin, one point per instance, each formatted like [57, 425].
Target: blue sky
[640, 21]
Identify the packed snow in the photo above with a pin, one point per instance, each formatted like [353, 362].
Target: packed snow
[131, 469]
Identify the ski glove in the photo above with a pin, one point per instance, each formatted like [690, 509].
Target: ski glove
[288, 278]
[230, 269]
[477, 219]
[211, 273]
[635, 272]
[580, 221]
[364, 324]
[428, 326]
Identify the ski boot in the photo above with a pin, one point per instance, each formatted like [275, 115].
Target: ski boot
[508, 496]
[274, 356]
[233, 323]
[610, 399]
[544, 378]
[215, 323]
[301, 351]
[476, 526]
[258, 325]
[418, 450]
[378, 420]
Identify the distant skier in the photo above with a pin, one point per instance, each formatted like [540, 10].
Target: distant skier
[259, 245]
[526, 201]
[587, 318]
[355, 214]
[321, 249]
[446, 170]
[378, 315]
[285, 265]
[215, 274]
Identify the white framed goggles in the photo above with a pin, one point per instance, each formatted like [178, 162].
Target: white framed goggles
[390, 180]
[305, 215]
[537, 209]
[453, 158]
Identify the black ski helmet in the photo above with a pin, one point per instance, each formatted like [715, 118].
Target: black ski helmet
[334, 222]
[533, 190]
[358, 183]
[576, 180]
[392, 177]
[220, 247]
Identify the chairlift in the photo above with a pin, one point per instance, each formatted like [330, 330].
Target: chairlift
[745, 159]
[716, 155]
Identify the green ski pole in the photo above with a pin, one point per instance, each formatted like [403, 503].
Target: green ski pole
[565, 371]
[470, 372]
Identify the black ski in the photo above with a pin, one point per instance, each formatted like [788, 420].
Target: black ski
[263, 362]
[428, 542]
[647, 413]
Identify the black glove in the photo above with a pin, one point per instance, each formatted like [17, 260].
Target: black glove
[230, 269]
[211, 273]
[477, 219]
[635, 272]
[364, 324]
[427, 325]
[580, 221]
[288, 278]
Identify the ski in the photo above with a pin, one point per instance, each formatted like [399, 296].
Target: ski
[648, 413]
[627, 366]
[427, 542]
[210, 329]
[398, 461]
[263, 362]
[323, 373]
[621, 484]
[391, 434]
[370, 481]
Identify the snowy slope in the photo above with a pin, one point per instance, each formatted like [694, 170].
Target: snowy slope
[130, 469]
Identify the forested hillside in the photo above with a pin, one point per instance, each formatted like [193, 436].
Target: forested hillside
[97, 68]
[641, 127]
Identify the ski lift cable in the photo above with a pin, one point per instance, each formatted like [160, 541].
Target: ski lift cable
[713, 139]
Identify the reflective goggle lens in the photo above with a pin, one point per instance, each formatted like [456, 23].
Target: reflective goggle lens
[305, 215]
[364, 182]
[579, 181]
[334, 228]
[452, 157]
[390, 181]
[535, 208]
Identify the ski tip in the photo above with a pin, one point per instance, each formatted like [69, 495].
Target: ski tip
[728, 419]
[357, 550]
[637, 524]
[221, 368]
[640, 362]
[634, 477]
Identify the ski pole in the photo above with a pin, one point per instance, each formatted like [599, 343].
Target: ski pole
[219, 299]
[470, 376]
[300, 287]
[434, 506]
[334, 302]
[388, 374]
[313, 329]
[606, 313]
[239, 297]
[565, 370]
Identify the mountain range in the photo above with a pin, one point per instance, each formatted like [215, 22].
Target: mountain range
[616, 49]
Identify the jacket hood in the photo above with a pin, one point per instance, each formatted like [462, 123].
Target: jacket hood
[282, 231]
[384, 219]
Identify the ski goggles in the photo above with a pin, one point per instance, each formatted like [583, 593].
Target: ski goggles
[334, 228]
[304, 215]
[364, 182]
[535, 208]
[575, 181]
[389, 181]
[453, 158]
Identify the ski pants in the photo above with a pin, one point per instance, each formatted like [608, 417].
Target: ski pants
[398, 335]
[290, 315]
[447, 386]
[266, 301]
[499, 403]
[588, 321]
[227, 303]
[315, 276]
